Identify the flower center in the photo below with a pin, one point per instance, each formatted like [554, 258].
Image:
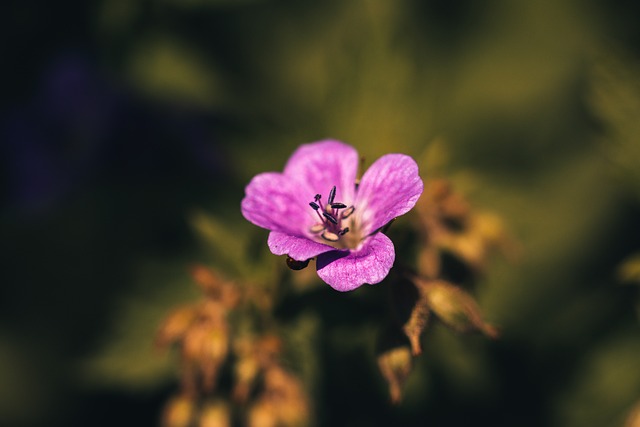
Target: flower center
[333, 218]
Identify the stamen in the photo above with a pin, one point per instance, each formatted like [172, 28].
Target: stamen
[315, 229]
[347, 212]
[330, 217]
[332, 195]
[332, 237]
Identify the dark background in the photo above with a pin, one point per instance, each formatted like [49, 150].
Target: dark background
[124, 121]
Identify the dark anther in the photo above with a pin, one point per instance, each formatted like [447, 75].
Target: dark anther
[338, 205]
[330, 217]
[332, 195]
[344, 231]
[317, 197]
[315, 206]
[347, 212]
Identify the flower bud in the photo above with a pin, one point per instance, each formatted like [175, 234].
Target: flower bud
[296, 265]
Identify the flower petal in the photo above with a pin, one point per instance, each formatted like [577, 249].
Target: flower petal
[388, 189]
[319, 166]
[298, 248]
[345, 271]
[272, 201]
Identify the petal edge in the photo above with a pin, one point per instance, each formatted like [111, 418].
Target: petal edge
[389, 188]
[298, 248]
[345, 271]
[320, 165]
[271, 202]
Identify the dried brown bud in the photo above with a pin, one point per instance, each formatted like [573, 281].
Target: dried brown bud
[439, 201]
[215, 414]
[411, 312]
[175, 326]
[253, 356]
[484, 233]
[205, 348]
[281, 403]
[395, 365]
[215, 286]
[192, 343]
[429, 262]
[416, 324]
[213, 311]
[633, 418]
[230, 295]
[215, 348]
[245, 372]
[448, 223]
[629, 269]
[262, 414]
[287, 396]
[268, 349]
[178, 412]
[206, 278]
[454, 307]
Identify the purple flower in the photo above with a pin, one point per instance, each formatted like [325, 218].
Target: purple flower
[315, 209]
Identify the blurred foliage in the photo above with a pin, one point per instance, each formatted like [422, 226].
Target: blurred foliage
[615, 98]
[127, 359]
[129, 129]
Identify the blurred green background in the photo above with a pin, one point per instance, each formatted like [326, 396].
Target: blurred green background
[124, 123]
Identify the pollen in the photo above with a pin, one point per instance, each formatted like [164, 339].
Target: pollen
[332, 237]
[317, 228]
